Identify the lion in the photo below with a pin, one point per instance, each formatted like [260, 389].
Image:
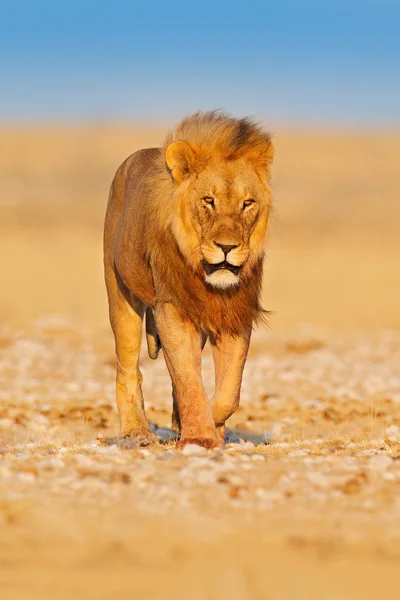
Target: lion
[184, 239]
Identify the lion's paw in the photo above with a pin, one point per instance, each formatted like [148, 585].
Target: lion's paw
[205, 442]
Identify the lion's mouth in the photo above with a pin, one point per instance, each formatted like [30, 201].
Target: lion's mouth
[222, 266]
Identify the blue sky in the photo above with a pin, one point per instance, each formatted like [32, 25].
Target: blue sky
[329, 63]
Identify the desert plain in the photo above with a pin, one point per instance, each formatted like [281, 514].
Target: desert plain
[315, 513]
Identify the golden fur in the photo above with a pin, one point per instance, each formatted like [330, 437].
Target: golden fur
[184, 237]
[172, 241]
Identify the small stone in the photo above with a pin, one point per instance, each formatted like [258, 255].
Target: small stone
[393, 433]
[318, 479]
[26, 477]
[258, 457]
[204, 477]
[52, 463]
[235, 480]
[380, 462]
[246, 445]
[170, 453]
[193, 450]
[298, 453]
[83, 461]
[366, 453]
[234, 447]
[144, 452]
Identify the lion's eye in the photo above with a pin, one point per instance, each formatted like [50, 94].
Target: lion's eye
[208, 201]
[248, 202]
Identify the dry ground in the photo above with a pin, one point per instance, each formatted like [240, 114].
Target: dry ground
[316, 513]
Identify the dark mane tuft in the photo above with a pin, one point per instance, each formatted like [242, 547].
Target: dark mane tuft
[215, 132]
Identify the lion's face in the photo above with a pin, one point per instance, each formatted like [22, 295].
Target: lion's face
[227, 202]
[222, 220]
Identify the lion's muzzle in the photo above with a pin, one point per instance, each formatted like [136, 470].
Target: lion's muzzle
[221, 275]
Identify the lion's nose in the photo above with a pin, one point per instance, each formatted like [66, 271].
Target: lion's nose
[226, 248]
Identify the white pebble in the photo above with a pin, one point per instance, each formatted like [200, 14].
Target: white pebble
[83, 461]
[193, 450]
[52, 463]
[393, 433]
[380, 462]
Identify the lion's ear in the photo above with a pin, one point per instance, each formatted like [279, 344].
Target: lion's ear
[180, 159]
[262, 157]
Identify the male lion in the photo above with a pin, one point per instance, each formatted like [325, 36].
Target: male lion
[184, 242]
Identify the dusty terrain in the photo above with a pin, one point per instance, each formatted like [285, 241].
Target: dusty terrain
[314, 514]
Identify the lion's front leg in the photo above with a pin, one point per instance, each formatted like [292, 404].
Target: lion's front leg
[182, 345]
[230, 355]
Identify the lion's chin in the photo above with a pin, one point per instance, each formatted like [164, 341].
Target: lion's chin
[222, 279]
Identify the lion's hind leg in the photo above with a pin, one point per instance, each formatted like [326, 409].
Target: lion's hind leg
[126, 317]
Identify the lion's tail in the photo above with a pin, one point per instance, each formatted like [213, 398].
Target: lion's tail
[153, 341]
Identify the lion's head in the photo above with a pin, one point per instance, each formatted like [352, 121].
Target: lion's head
[220, 168]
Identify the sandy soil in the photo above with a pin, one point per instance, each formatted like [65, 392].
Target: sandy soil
[314, 514]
